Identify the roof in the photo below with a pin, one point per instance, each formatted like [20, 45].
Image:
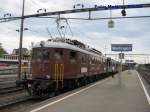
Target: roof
[52, 44]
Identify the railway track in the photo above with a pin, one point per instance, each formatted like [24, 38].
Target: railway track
[10, 93]
[13, 97]
[8, 87]
[10, 90]
[145, 73]
[4, 104]
[146, 76]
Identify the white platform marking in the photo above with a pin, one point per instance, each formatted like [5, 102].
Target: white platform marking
[52, 103]
[145, 91]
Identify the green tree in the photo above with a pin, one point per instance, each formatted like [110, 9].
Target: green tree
[2, 50]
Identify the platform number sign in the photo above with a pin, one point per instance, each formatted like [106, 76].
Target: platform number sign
[121, 55]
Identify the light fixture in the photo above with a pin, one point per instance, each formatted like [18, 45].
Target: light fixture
[111, 22]
[123, 12]
[39, 10]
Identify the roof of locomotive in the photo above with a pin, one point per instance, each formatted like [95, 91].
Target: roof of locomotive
[60, 44]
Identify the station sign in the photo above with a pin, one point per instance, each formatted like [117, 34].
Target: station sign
[121, 6]
[121, 47]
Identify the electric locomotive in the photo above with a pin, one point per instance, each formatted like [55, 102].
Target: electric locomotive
[59, 64]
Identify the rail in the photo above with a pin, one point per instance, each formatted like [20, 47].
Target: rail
[145, 73]
[10, 90]
[15, 100]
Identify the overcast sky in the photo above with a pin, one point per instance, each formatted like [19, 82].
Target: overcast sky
[94, 33]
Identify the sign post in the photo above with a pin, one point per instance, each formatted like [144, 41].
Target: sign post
[121, 48]
[21, 39]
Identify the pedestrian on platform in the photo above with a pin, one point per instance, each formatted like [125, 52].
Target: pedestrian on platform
[113, 69]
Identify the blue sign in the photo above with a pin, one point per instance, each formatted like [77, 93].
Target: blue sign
[121, 6]
[121, 47]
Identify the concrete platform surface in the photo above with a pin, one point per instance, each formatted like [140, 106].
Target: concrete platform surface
[123, 93]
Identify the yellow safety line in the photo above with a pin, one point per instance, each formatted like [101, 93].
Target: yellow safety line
[56, 72]
[57, 75]
[59, 72]
[62, 75]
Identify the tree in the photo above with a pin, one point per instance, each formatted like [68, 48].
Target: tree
[2, 50]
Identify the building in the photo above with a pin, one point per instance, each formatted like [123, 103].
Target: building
[24, 51]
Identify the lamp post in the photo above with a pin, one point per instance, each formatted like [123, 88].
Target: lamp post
[21, 39]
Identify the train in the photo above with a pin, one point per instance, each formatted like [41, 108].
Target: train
[59, 64]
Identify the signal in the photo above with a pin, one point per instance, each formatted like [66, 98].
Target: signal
[123, 12]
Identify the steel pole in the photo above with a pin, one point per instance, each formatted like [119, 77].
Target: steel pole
[21, 39]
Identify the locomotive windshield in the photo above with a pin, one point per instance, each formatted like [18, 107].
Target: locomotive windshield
[41, 54]
[58, 55]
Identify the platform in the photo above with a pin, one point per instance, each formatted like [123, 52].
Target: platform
[123, 93]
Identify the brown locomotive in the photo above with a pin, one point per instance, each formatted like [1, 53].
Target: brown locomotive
[64, 63]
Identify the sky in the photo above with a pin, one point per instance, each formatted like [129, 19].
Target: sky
[94, 33]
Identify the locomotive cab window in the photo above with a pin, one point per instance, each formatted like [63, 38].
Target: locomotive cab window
[73, 56]
[40, 54]
[46, 54]
[83, 59]
[58, 55]
[37, 55]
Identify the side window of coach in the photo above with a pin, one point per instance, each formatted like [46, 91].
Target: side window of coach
[58, 55]
[83, 58]
[73, 56]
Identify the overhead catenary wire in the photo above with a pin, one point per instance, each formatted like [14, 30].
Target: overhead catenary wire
[63, 28]
[49, 33]
[57, 22]
[70, 28]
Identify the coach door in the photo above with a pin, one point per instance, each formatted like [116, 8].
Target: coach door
[59, 68]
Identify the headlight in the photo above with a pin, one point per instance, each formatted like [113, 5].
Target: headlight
[48, 76]
[29, 85]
